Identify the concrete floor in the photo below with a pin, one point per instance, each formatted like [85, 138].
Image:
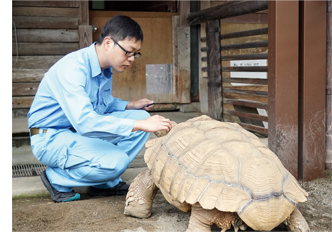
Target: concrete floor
[30, 186]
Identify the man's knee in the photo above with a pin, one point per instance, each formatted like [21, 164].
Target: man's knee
[105, 168]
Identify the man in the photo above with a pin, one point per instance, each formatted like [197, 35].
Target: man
[82, 133]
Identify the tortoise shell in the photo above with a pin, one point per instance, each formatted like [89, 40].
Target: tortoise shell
[221, 165]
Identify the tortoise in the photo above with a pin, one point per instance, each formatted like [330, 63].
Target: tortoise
[221, 172]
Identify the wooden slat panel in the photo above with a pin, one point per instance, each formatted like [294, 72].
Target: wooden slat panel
[253, 128]
[27, 75]
[22, 102]
[246, 115]
[85, 35]
[45, 11]
[247, 103]
[46, 3]
[24, 89]
[46, 35]
[34, 62]
[22, 22]
[245, 57]
[26, 49]
[258, 81]
[244, 45]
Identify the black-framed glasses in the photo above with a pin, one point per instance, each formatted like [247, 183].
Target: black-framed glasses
[129, 54]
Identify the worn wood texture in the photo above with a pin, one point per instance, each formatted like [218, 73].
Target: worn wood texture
[27, 75]
[239, 34]
[230, 9]
[257, 81]
[31, 22]
[22, 102]
[283, 56]
[35, 49]
[46, 35]
[24, 89]
[312, 86]
[46, 3]
[215, 91]
[246, 103]
[328, 130]
[34, 62]
[45, 11]
[85, 35]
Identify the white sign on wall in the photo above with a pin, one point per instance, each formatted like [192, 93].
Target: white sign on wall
[262, 75]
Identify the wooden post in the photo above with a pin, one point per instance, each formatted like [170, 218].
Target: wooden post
[328, 132]
[84, 29]
[283, 81]
[214, 69]
[312, 84]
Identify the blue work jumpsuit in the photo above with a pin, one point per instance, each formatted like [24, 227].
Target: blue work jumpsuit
[75, 93]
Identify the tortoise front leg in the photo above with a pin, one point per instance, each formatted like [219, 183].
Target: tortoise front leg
[140, 195]
[296, 222]
[202, 219]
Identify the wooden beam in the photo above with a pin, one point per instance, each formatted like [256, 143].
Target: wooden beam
[312, 90]
[27, 75]
[85, 35]
[45, 11]
[328, 130]
[214, 70]
[34, 62]
[227, 10]
[246, 103]
[283, 82]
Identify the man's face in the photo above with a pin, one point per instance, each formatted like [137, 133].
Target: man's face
[116, 56]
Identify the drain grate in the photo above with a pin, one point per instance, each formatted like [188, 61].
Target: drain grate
[26, 170]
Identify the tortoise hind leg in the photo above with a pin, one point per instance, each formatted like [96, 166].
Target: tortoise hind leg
[296, 222]
[202, 219]
[140, 195]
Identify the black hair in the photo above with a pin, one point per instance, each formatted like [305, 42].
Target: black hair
[121, 27]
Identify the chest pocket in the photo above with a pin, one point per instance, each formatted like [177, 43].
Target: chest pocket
[107, 99]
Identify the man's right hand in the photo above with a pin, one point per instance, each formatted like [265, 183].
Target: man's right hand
[153, 124]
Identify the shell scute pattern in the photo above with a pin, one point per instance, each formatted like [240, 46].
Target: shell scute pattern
[221, 165]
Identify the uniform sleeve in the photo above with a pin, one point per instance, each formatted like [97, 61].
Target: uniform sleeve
[68, 88]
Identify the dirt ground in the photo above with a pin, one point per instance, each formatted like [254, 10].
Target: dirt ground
[106, 213]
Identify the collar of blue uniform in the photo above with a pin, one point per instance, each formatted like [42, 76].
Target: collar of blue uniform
[95, 66]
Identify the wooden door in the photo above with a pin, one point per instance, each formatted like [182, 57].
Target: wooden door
[152, 75]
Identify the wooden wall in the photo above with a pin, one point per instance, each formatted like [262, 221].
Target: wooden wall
[42, 33]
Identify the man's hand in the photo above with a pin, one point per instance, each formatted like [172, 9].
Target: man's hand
[153, 124]
[140, 104]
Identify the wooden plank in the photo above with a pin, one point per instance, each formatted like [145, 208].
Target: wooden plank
[283, 82]
[27, 75]
[215, 92]
[246, 103]
[34, 62]
[24, 89]
[83, 13]
[257, 81]
[230, 9]
[46, 3]
[312, 90]
[246, 115]
[45, 11]
[260, 130]
[30, 49]
[85, 35]
[28, 22]
[246, 92]
[239, 34]
[46, 35]
[241, 46]
[259, 18]
[22, 102]
[132, 14]
[241, 57]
